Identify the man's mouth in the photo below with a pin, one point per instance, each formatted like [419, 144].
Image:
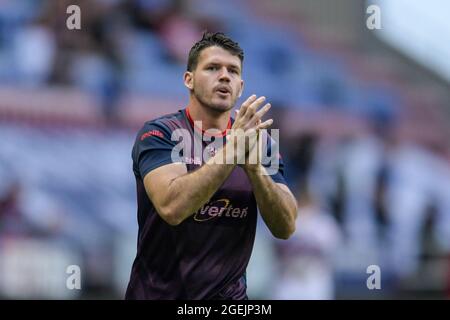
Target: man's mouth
[223, 91]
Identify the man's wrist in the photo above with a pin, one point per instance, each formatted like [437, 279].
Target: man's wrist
[253, 169]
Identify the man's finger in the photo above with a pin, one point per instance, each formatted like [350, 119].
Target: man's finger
[266, 124]
[247, 103]
[258, 115]
[252, 108]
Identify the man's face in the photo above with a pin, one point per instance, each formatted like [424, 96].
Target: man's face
[216, 82]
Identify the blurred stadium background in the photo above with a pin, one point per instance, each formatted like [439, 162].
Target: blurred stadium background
[363, 116]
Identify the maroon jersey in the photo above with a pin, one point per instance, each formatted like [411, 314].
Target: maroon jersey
[205, 256]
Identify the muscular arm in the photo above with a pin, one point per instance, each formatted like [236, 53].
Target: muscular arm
[177, 194]
[276, 203]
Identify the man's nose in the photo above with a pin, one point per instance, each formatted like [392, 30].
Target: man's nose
[224, 75]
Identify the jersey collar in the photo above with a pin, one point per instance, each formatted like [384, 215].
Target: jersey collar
[203, 132]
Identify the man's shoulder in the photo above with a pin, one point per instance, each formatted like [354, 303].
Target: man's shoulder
[159, 129]
[167, 122]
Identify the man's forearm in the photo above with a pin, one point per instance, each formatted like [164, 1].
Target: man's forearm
[191, 191]
[278, 207]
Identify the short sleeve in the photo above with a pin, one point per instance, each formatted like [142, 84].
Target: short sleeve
[152, 149]
[272, 161]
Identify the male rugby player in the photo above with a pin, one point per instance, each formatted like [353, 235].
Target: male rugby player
[197, 218]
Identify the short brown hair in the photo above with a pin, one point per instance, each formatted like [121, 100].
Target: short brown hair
[213, 39]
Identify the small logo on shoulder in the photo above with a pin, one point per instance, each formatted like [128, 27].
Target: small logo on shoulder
[156, 133]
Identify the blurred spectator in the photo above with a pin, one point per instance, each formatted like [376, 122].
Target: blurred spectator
[414, 187]
[361, 158]
[28, 213]
[12, 222]
[307, 259]
[34, 52]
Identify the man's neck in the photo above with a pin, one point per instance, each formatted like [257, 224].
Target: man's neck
[211, 119]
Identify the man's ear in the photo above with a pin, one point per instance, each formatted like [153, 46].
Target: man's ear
[241, 89]
[189, 80]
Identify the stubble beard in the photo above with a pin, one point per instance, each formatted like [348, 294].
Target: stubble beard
[219, 108]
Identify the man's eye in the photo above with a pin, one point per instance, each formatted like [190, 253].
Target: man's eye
[211, 68]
